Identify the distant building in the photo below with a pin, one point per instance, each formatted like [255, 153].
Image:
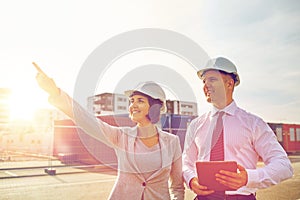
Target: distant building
[32, 136]
[5, 95]
[48, 115]
[182, 107]
[44, 117]
[108, 103]
[288, 135]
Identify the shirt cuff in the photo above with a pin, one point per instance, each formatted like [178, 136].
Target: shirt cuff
[188, 177]
[253, 178]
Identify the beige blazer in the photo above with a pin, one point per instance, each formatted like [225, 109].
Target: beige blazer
[166, 183]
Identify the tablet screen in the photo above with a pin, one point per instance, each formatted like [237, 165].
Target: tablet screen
[206, 171]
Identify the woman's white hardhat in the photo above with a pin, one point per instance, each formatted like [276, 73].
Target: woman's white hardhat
[221, 64]
[151, 89]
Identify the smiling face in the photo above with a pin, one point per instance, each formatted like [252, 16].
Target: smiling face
[218, 88]
[138, 109]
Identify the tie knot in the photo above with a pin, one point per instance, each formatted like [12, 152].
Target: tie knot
[220, 113]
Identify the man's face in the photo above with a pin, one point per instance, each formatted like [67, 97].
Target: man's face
[215, 87]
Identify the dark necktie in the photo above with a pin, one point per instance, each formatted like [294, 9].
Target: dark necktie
[217, 150]
[217, 142]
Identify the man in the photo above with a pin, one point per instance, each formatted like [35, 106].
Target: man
[245, 139]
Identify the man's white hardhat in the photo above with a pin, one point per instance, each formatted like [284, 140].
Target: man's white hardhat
[151, 89]
[221, 64]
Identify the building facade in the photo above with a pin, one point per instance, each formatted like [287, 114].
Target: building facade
[108, 103]
[182, 108]
[288, 135]
[31, 136]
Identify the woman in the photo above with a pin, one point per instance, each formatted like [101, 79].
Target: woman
[149, 159]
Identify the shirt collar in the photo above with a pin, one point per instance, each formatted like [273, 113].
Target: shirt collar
[230, 109]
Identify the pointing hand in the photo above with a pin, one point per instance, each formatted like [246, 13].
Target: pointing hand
[45, 82]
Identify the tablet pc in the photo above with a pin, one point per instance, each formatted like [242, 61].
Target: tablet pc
[206, 171]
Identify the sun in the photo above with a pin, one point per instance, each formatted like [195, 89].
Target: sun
[24, 103]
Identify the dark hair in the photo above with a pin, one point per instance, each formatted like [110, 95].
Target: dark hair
[155, 107]
[232, 75]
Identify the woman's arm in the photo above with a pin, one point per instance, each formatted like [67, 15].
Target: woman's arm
[81, 117]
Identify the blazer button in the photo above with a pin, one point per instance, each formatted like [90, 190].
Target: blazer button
[144, 184]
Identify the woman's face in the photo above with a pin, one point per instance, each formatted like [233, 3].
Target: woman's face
[139, 109]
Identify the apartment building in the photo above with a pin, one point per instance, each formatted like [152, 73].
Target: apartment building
[108, 103]
[182, 107]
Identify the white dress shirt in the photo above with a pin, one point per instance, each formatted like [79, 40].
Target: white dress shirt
[246, 138]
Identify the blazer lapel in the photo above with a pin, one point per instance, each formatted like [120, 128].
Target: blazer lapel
[163, 142]
[131, 151]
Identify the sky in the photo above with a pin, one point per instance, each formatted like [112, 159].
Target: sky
[261, 37]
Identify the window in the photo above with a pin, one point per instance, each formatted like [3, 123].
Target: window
[121, 99]
[279, 134]
[186, 106]
[186, 113]
[121, 108]
[292, 134]
[298, 134]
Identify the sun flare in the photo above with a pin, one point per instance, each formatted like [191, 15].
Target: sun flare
[23, 104]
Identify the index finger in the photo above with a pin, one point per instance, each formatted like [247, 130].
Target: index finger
[38, 68]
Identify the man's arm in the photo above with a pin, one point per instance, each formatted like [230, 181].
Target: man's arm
[189, 158]
[277, 164]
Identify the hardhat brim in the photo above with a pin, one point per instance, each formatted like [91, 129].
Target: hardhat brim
[163, 109]
[220, 64]
[201, 72]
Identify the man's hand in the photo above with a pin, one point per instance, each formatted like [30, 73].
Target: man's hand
[232, 179]
[199, 189]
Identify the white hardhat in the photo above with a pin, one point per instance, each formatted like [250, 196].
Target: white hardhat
[151, 89]
[221, 64]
